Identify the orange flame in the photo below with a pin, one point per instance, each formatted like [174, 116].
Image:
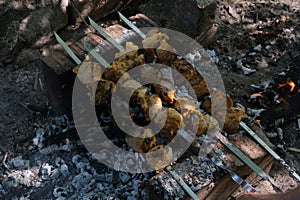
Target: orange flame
[291, 84]
[288, 82]
[257, 121]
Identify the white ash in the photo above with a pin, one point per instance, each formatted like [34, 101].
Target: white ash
[254, 112]
[271, 134]
[258, 47]
[280, 133]
[19, 163]
[165, 183]
[213, 56]
[197, 172]
[28, 177]
[60, 193]
[38, 140]
[193, 57]
[246, 70]
[45, 171]
[125, 36]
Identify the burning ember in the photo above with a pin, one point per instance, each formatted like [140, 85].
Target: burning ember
[279, 99]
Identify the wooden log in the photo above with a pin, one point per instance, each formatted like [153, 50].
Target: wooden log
[164, 185]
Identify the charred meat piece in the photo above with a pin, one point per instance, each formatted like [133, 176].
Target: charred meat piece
[223, 104]
[142, 144]
[222, 101]
[173, 121]
[193, 118]
[165, 52]
[154, 38]
[159, 157]
[233, 118]
[103, 93]
[88, 71]
[116, 70]
[194, 78]
[165, 91]
[129, 53]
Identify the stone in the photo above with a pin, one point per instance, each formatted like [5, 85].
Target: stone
[19, 162]
[95, 9]
[45, 171]
[181, 15]
[30, 22]
[124, 177]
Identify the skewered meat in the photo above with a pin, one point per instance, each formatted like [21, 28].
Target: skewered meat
[88, 71]
[233, 115]
[197, 121]
[195, 79]
[149, 101]
[159, 156]
[142, 144]
[173, 121]
[154, 39]
[103, 93]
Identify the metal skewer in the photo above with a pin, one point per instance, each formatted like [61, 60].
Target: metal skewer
[99, 58]
[247, 161]
[271, 151]
[182, 183]
[67, 49]
[236, 178]
[131, 25]
[104, 34]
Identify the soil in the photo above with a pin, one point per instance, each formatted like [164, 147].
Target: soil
[262, 35]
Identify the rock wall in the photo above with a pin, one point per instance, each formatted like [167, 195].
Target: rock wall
[31, 22]
[195, 18]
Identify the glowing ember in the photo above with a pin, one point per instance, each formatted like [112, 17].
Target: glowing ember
[257, 121]
[257, 95]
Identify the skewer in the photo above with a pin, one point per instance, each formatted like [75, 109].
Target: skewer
[104, 34]
[271, 151]
[236, 178]
[99, 58]
[131, 25]
[182, 183]
[246, 160]
[67, 49]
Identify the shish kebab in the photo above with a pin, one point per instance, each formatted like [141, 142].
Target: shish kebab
[223, 139]
[242, 124]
